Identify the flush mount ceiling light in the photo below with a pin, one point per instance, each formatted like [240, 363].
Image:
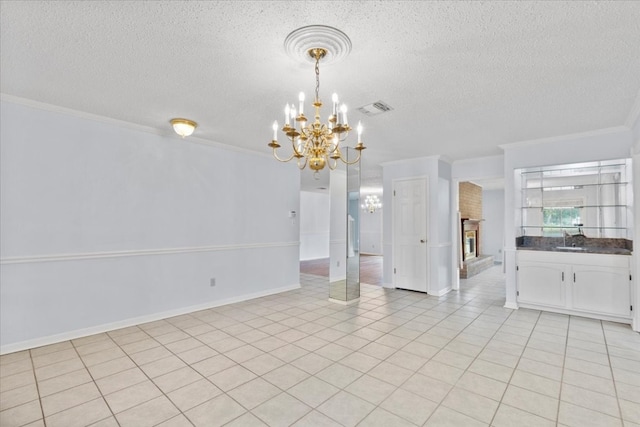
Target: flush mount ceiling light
[317, 144]
[183, 127]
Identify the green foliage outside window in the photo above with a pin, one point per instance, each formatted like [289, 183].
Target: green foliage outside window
[560, 217]
[556, 219]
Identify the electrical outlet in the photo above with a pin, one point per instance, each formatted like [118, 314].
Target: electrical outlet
[212, 282]
[337, 263]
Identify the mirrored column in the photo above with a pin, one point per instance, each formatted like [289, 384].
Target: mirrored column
[344, 271]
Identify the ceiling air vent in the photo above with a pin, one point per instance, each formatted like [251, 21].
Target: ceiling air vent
[374, 109]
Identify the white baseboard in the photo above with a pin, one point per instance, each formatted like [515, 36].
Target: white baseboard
[337, 301]
[442, 292]
[79, 333]
[511, 305]
[617, 319]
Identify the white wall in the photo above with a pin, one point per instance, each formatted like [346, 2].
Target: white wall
[444, 276]
[314, 225]
[492, 239]
[371, 230]
[104, 226]
[478, 168]
[634, 124]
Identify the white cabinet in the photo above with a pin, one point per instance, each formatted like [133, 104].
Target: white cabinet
[604, 290]
[541, 283]
[595, 285]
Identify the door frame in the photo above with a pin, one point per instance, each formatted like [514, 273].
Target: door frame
[425, 179]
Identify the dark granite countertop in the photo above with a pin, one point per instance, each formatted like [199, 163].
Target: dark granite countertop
[575, 244]
[578, 250]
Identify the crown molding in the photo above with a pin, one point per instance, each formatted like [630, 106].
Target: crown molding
[562, 138]
[415, 159]
[77, 113]
[168, 133]
[480, 159]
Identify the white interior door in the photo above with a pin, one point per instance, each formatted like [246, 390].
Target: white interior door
[410, 234]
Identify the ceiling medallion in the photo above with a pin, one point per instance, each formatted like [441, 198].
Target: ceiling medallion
[299, 42]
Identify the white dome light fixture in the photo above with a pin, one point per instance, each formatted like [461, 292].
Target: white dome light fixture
[183, 127]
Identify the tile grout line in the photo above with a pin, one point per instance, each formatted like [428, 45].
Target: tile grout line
[564, 363]
[180, 412]
[594, 391]
[35, 379]
[238, 363]
[94, 380]
[450, 340]
[465, 370]
[134, 362]
[515, 368]
[613, 378]
[343, 389]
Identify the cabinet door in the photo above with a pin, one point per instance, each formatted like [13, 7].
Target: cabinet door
[541, 283]
[604, 290]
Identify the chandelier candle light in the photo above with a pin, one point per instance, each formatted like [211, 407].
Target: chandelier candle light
[317, 143]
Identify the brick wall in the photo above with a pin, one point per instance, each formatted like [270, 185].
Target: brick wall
[470, 202]
[470, 199]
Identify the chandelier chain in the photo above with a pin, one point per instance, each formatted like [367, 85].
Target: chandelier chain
[317, 77]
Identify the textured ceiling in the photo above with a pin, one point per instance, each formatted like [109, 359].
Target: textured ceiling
[462, 77]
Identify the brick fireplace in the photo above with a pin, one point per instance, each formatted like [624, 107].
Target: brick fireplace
[470, 204]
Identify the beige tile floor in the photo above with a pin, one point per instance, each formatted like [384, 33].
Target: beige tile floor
[397, 358]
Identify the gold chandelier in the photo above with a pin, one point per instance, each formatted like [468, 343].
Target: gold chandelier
[316, 144]
[371, 203]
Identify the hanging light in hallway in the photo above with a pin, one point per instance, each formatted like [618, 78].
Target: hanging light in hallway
[371, 203]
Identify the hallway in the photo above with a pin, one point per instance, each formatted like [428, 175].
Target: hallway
[370, 268]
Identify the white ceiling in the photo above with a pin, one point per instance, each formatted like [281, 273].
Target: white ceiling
[463, 77]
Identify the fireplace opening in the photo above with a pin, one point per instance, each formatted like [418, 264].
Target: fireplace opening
[470, 238]
[470, 244]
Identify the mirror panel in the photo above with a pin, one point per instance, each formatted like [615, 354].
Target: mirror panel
[588, 199]
[344, 270]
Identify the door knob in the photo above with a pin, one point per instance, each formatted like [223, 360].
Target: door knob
[422, 240]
